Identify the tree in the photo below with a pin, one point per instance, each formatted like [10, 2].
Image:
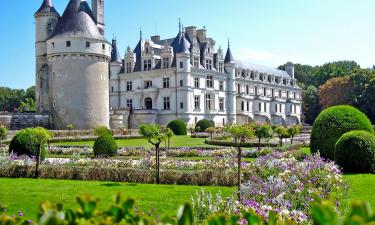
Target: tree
[169, 134]
[154, 135]
[27, 105]
[3, 134]
[369, 100]
[293, 131]
[10, 99]
[211, 131]
[336, 91]
[263, 132]
[240, 134]
[310, 104]
[281, 133]
[333, 70]
[40, 136]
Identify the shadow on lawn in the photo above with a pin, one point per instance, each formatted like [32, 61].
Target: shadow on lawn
[116, 184]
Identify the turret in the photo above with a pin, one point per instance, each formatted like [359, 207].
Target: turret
[114, 82]
[130, 59]
[116, 62]
[229, 65]
[289, 68]
[46, 19]
[98, 11]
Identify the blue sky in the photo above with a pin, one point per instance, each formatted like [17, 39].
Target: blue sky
[267, 32]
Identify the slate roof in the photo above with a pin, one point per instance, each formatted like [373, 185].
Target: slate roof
[115, 55]
[47, 7]
[78, 21]
[262, 69]
[229, 57]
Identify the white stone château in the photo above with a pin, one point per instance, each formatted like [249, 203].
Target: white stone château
[184, 77]
[82, 80]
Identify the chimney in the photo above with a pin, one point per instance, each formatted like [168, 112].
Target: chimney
[98, 11]
[289, 68]
[191, 31]
[155, 38]
[202, 35]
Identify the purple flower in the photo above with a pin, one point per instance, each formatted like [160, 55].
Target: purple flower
[20, 213]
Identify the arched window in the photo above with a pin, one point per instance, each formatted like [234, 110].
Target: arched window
[148, 103]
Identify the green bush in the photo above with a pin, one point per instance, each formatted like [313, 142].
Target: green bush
[332, 123]
[178, 127]
[202, 125]
[27, 142]
[102, 130]
[355, 152]
[105, 146]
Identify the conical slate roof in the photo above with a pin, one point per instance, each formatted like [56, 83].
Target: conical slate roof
[184, 45]
[78, 21]
[115, 55]
[229, 57]
[47, 7]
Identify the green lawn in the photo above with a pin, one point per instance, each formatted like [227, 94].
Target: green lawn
[361, 187]
[26, 194]
[176, 141]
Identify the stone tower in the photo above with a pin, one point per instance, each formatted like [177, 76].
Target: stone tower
[230, 65]
[98, 11]
[77, 60]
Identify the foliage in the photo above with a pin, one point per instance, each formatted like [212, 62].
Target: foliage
[27, 105]
[178, 127]
[355, 152]
[105, 146]
[28, 141]
[211, 131]
[70, 126]
[293, 131]
[310, 104]
[202, 125]
[282, 133]
[368, 100]
[334, 122]
[263, 132]
[3, 133]
[246, 144]
[11, 99]
[336, 91]
[102, 130]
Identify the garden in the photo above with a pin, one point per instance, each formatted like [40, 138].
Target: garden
[239, 174]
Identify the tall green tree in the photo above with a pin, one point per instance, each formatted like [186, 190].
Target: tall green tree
[310, 104]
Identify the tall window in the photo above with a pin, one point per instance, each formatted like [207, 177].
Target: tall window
[221, 85]
[147, 64]
[129, 103]
[196, 62]
[209, 64]
[167, 103]
[68, 44]
[87, 44]
[129, 86]
[165, 62]
[239, 88]
[242, 106]
[128, 67]
[260, 107]
[210, 83]
[264, 92]
[221, 67]
[265, 107]
[247, 89]
[166, 82]
[147, 84]
[248, 106]
[221, 104]
[181, 64]
[208, 101]
[181, 83]
[196, 82]
[197, 102]
[256, 90]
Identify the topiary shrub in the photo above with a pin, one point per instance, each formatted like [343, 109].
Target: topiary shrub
[178, 127]
[102, 130]
[331, 124]
[105, 146]
[27, 141]
[355, 152]
[202, 125]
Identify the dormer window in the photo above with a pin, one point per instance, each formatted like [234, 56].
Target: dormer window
[87, 44]
[221, 67]
[196, 62]
[209, 64]
[103, 46]
[148, 84]
[165, 62]
[147, 65]
[68, 44]
[53, 44]
[128, 67]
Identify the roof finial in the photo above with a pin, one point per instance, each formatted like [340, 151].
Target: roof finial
[140, 33]
[179, 24]
[228, 43]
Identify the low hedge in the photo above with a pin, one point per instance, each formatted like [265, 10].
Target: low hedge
[82, 139]
[178, 127]
[231, 144]
[202, 125]
[201, 178]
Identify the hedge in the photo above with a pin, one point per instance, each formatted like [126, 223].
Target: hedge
[178, 127]
[231, 144]
[105, 146]
[332, 123]
[202, 125]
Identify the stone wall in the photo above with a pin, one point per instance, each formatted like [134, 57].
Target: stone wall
[19, 121]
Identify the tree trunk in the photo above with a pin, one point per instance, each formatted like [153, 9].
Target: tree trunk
[259, 144]
[291, 140]
[239, 171]
[169, 143]
[38, 159]
[281, 142]
[157, 164]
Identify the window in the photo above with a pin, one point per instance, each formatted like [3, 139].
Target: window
[209, 64]
[165, 62]
[221, 67]
[221, 85]
[197, 102]
[87, 44]
[265, 107]
[248, 106]
[280, 93]
[53, 44]
[166, 82]
[167, 103]
[239, 88]
[181, 105]
[221, 104]
[196, 120]
[196, 82]
[264, 91]
[276, 107]
[196, 62]
[54, 104]
[129, 67]
[181, 64]
[242, 106]
[112, 89]
[49, 27]
[247, 89]
[129, 103]
[68, 44]
[103, 46]
[147, 65]
[208, 101]
[256, 90]
[209, 82]
[129, 86]
[273, 93]
[147, 84]
[181, 83]
[260, 107]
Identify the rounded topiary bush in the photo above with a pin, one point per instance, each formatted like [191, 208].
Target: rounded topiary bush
[202, 125]
[331, 124]
[105, 146]
[27, 141]
[355, 152]
[178, 127]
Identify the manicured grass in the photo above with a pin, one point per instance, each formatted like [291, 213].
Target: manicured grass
[26, 194]
[176, 141]
[361, 187]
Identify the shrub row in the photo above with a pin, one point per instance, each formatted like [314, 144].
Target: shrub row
[82, 139]
[231, 144]
[201, 178]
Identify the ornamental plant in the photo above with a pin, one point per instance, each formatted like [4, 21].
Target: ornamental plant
[263, 132]
[202, 125]
[282, 133]
[105, 146]
[3, 134]
[293, 131]
[178, 127]
[332, 123]
[102, 130]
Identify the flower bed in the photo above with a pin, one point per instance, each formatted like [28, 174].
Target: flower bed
[247, 144]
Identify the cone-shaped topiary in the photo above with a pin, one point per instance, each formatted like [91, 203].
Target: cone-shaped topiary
[178, 127]
[355, 152]
[331, 124]
[202, 125]
[105, 146]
